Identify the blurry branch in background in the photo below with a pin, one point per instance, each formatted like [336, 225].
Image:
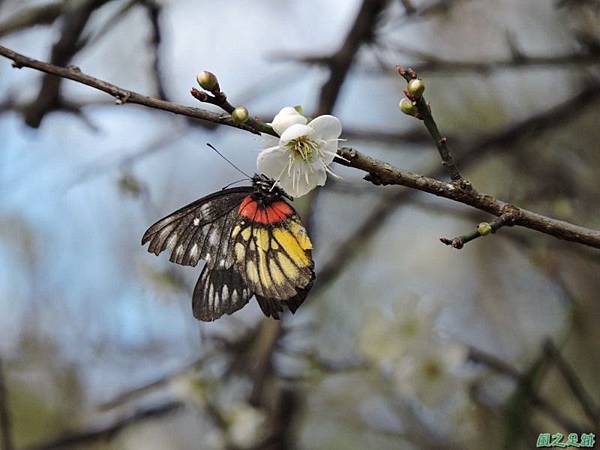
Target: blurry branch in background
[6, 438]
[160, 382]
[74, 21]
[503, 368]
[153, 9]
[110, 430]
[339, 63]
[379, 173]
[44, 14]
[575, 385]
[109, 23]
[429, 63]
[412, 136]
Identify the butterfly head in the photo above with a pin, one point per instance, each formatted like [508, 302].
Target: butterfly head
[267, 188]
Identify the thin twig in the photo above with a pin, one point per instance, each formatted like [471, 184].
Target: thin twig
[218, 98]
[459, 241]
[441, 142]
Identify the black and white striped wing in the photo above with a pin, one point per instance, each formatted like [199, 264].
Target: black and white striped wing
[219, 292]
[200, 230]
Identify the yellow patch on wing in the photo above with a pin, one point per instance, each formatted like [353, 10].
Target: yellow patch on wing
[300, 234]
[263, 270]
[236, 230]
[288, 267]
[240, 251]
[252, 272]
[246, 233]
[262, 238]
[277, 275]
[291, 247]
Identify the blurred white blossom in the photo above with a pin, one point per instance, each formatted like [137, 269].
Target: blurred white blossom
[246, 425]
[299, 160]
[406, 346]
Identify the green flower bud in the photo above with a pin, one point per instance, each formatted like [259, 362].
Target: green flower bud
[299, 109]
[484, 228]
[407, 107]
[416, 87]
[240, 115]
[207, 80]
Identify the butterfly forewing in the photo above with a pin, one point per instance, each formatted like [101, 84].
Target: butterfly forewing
[197, 230]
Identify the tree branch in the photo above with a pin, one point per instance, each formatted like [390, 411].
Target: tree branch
[382, 173]
[121, 95]
[379, 172]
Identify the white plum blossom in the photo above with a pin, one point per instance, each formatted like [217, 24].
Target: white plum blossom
[299, 160]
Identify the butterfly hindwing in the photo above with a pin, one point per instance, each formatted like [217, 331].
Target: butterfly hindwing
[219, 292]
[274, 257]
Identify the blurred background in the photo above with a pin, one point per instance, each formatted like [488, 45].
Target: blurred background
[403, 343]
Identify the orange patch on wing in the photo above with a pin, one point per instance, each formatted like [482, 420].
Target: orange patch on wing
[275, 212]
[248, 207]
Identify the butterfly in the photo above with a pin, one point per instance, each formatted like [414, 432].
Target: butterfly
[253, 243]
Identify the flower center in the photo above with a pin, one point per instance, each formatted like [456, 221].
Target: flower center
[303, 148]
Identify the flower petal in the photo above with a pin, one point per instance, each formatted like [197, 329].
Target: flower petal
[327, 151]
[270, 141]
[303, 180]
[285, 118]
[295, 131]
[326, 127]
[272, 162]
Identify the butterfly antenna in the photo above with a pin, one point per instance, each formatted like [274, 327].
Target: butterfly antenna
[230, 163]
[234, 182]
